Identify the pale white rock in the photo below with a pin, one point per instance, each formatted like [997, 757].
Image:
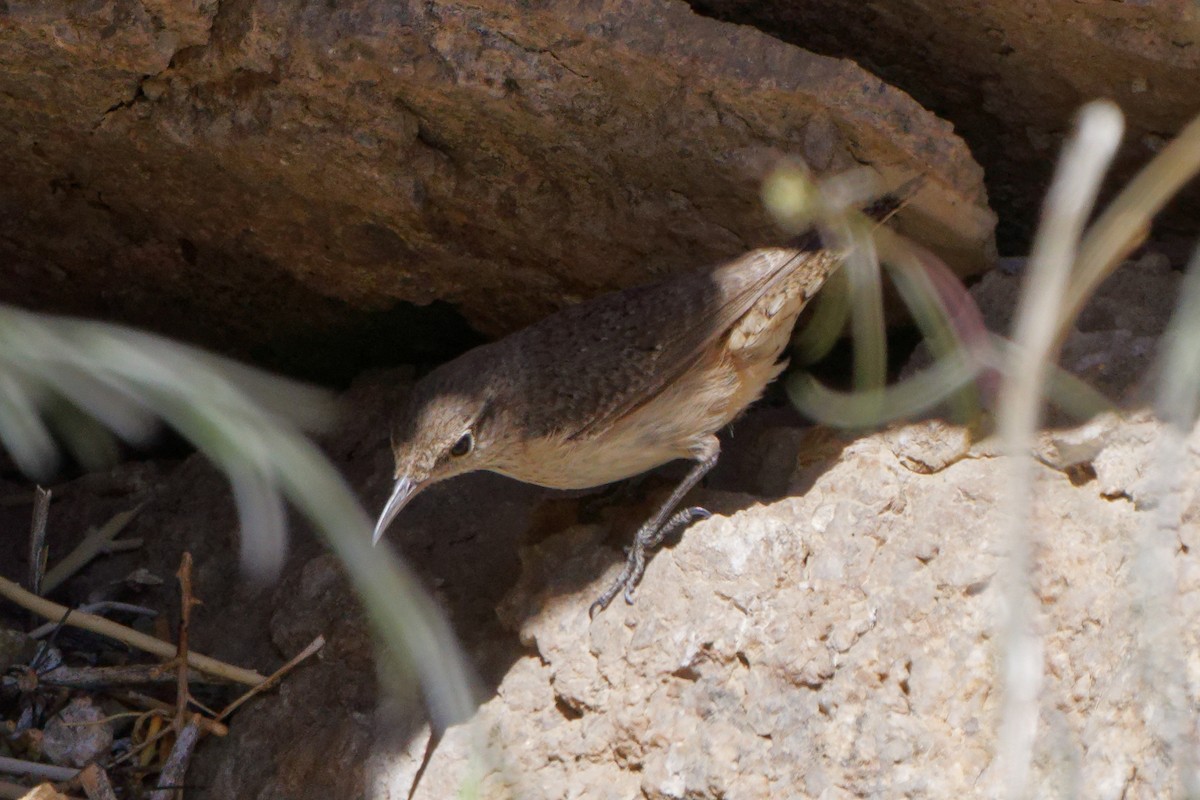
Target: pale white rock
[768, 656]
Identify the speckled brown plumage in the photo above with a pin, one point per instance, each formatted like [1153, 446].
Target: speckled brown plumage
[612, 387]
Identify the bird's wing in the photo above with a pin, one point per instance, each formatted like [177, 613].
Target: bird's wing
[636, 343]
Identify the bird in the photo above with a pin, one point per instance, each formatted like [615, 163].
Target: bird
[612, 387]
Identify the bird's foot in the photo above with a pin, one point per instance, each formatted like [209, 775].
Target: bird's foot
[647, 538]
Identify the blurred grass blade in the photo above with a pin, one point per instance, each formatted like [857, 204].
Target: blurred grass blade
[799, 203]
[824, 326]
[1165, 670]
[1178, 396]
[958, 359]
[791, 196]
[304, 406]
[912, 271]
[847, 191]
[1074, 396]
[862, 409]
[243, 420]
[90, 443]
[22, 430]
[261, 518]
[867, 327]
[1085, 158]
[119, 412]
[405, 617]
[1126, 221]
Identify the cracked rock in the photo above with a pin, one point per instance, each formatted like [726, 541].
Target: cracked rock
[273, 169]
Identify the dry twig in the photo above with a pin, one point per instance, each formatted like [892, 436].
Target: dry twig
[106, 677]
[95, 783]
[152, 704]
[170, 780]
[186, 601]
[104, 627]
[37, 539]
[17, 766]
[98, 607]
[313, 647]
[94, 543]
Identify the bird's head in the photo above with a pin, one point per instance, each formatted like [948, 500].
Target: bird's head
[446, 430]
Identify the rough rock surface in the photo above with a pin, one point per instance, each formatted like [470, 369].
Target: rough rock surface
[842, 643]
[251, 171]
[1011, 75]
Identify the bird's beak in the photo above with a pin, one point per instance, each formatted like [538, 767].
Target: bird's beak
[404, 491]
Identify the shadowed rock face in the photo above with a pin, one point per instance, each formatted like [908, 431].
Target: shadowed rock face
[237, 173]
[1011, 75]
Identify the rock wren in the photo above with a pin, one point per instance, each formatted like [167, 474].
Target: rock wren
[613, 387]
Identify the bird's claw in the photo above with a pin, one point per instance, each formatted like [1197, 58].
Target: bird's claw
[635, 557]
[604, 599]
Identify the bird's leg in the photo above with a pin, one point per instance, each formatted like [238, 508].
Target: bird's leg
[659, 527]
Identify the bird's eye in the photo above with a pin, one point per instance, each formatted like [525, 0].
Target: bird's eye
[464, 445]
